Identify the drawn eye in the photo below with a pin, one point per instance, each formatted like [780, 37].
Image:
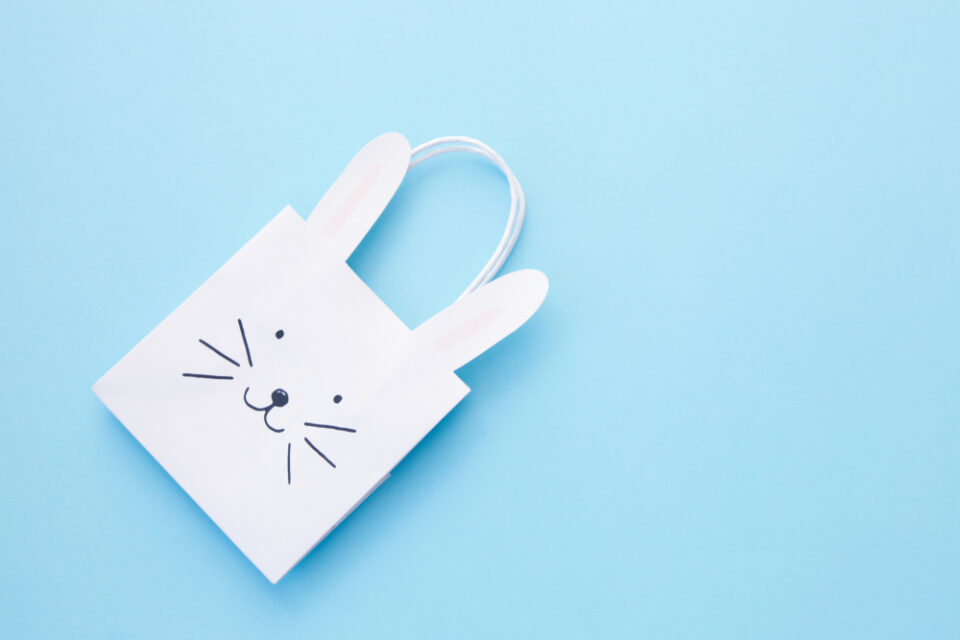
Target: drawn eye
[279, 334]
[337, 398]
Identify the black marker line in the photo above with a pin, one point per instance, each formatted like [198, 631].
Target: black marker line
[266, 414]
[288, 462]
[245, 345]
[219, 353]
[253, 406]
[209, 377]
[320, 453]
[328, 426]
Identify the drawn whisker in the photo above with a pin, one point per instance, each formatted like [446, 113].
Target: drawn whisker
[207, 376]
[319, 453]
[328, 426]
[219, 353]
[245, 345]
[289, 444]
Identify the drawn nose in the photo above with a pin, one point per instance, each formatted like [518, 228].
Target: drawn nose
[279, 397]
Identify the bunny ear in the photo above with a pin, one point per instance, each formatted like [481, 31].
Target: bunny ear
[361, 193]
[479, 320]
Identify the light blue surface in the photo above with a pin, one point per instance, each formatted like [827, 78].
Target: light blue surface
[735, 416]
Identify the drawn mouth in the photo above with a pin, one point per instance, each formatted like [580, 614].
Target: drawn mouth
[279, 398]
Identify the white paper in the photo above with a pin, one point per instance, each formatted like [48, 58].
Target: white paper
[283, 391]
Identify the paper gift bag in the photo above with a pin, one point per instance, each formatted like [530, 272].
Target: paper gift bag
[283, 390]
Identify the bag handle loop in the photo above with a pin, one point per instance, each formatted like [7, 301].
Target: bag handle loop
[518, 203]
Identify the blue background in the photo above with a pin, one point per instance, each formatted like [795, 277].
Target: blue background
[736, 415]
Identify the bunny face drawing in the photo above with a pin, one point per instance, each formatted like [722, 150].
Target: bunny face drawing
[283, 390]
[278, 399]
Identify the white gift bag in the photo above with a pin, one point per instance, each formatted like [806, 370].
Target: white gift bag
[283, 391]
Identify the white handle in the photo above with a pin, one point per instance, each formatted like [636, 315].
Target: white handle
[518, 204]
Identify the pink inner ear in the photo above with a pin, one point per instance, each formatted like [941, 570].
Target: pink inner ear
[350, 203]
[468, 329]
